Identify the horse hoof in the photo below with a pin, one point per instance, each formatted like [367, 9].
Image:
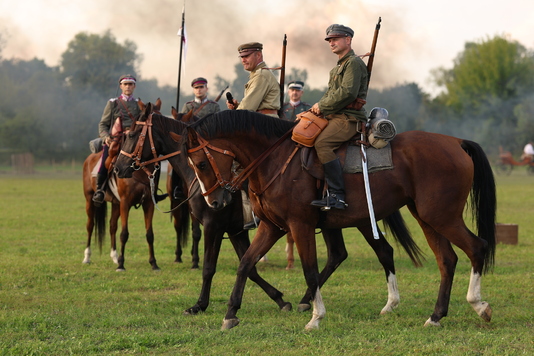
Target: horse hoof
[192, 311]
[86, 262]
[486, 313]
[303, 307]
[120, 270]
[287, 307]
[229, 323]
[429, 322]
[312, 326]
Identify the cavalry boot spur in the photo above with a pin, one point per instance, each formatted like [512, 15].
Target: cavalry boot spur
[335, 197]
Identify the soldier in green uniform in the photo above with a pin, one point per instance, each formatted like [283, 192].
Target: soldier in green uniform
[295, 106]
[262, 91]
[118, 116]
[201, 105]
[342, 105]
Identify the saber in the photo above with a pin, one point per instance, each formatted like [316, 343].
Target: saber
[363, 147]
[368, 191]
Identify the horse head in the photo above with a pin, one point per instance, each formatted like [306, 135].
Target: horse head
[213, 169]
[131, 153]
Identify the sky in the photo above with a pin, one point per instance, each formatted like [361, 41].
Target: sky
[416, 36]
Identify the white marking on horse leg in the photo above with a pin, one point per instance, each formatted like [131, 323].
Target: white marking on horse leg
[393, 295]
[319, 312]
[87, 254]
[114, 256]
[429, 322]
[474, 297]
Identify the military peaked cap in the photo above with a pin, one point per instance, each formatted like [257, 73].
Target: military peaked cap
[199, 81]
[248, 48]
[127, 78]
[336, 30]
[296, 84]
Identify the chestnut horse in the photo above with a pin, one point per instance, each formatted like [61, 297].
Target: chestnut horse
[163, 140]
[433, 176]
[126, 194]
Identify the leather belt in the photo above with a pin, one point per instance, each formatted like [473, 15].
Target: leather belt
[268, 111]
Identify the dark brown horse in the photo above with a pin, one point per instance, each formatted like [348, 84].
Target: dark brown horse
[123, 194]
[433, 175]
[164, 141]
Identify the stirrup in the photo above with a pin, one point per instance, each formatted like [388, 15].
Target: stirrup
[251, 225]
[329, 202]
[98, 197]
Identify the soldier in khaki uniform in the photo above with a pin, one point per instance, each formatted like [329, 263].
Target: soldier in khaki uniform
[201, 105]
[118, 116]
[295, 106]
[262, 91]
[342, 105]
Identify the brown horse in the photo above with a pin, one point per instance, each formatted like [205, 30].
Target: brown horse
[163, 140]
[216, 223]
[433, 175]
[123, 194]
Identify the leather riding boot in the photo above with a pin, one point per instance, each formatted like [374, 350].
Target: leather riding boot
[335, 197]
[98, 197]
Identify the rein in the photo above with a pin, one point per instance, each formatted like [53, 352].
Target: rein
[237, 181]
[138, 164]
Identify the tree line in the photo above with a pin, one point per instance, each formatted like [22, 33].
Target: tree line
[53, 112]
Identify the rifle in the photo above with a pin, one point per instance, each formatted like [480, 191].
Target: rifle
[220, 94]
[282, 75]
[372, 53]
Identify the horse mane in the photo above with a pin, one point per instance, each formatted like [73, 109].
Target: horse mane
[170, 124]
[231, 121]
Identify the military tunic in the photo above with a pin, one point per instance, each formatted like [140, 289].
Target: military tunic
[262, 91]
[209, 108]
[290, 112]
[114, 110]
[348, 81]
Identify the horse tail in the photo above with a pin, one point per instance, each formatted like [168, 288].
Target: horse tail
[100, 214]
[396, 225]
[483, 199]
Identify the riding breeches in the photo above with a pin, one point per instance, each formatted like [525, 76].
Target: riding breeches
[340, 129]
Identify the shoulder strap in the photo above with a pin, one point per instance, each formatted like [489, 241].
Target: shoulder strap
[126, 109]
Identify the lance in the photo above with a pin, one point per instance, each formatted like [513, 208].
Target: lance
[363, 147]
[282, 75]
[182, 34]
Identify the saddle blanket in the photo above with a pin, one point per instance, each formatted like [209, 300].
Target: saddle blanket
[377, 159]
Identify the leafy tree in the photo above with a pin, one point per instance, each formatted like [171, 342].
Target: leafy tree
[97, 61]
[495, 68]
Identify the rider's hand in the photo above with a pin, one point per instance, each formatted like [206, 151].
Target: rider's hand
[108, 141]
[315, 109]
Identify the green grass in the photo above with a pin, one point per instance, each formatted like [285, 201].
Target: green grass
[52, 304]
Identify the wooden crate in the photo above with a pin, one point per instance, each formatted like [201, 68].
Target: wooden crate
[506, 233]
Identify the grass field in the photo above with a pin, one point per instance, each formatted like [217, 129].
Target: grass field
[52, 304]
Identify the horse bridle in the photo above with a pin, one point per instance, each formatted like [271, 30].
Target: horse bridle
[137, 152]
[237, 180]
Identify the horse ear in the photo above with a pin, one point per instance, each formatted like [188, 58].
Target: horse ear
[175, 137]
[157, 105]
[147, 111]
[192, 138]
[187, 117]
[141, 104]
[174, 113]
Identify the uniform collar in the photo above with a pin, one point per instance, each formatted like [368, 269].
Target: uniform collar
[295, 103]
[344, 58]
[198, 101]
[127, 98]
[259, 66]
